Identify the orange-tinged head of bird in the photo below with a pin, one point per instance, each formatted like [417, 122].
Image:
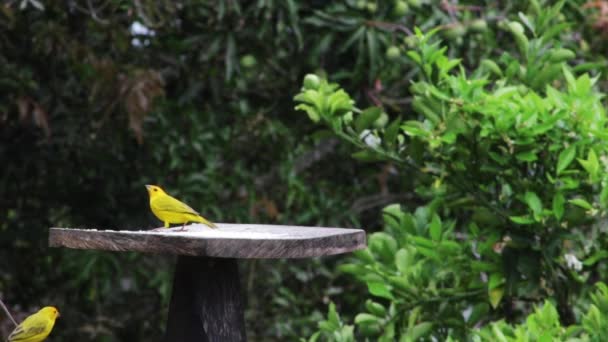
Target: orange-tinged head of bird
[49, 311]
[154, 190]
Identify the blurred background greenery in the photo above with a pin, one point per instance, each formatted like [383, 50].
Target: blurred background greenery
[98, 98]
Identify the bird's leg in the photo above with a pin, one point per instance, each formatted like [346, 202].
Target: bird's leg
[160, 228]
[183, 227]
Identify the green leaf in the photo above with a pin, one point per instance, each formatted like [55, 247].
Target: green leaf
[523, 219]
[402, 260]
[534, 203]
[415, 128]
[380, 290]
[372, 49]
[414, 56]
[354, 269]
[600, 255]
[367, 156]
[391, 132]
[604, 197]
[496, 279]
[558, 205]
[421, 105]
[491, 66]
[375, 308]
[392, 216]
[495, 295]
[561, 55]
[365, 318]
[591, 165]
[565, 158]
[333, 319]
[435, 228]
[364, 255]
[581, 203]
[383, 245]
[528, 156]
[520, 38]
[312, 112]
[420, 330]
[367, 118]
[402, 283]
[429, 253]
[357, 35]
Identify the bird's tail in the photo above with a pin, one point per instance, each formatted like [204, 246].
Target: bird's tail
[206, 222]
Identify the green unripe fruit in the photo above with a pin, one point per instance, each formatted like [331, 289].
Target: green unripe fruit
[312, 81]
[372, 7]
[393, 52]
[415, 3]
[248, 61]
[411, 41]
[502, 24]
[478, 25]
[400, 9]
[455, 31]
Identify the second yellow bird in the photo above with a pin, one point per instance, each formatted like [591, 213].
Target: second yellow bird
[36, 327]
[171, 210]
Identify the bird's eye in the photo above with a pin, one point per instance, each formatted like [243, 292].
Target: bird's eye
[154, 189]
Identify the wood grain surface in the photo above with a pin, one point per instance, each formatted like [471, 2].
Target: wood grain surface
[229, 241]
[206, 304]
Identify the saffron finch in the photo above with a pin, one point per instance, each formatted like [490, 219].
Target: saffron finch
[35, 328]
[171, 210]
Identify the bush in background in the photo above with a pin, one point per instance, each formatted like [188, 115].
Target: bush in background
[101, 98]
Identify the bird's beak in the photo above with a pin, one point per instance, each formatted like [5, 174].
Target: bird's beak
[148, 186]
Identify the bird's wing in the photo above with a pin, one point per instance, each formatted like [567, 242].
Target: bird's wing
[27, 329]
[168, 203]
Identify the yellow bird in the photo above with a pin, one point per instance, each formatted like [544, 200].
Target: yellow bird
[36, 327]
[171, 210]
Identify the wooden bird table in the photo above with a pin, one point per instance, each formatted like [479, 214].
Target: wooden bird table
[206, 303]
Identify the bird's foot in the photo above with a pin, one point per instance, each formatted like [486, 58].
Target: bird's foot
[182, 229]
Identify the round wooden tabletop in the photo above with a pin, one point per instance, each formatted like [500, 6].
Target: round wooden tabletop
[256, 241]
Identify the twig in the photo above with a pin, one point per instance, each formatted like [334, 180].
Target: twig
[389, 26]
[303, 162]
[94, 15]
[147, 21]
[8, 313]
[377, 200]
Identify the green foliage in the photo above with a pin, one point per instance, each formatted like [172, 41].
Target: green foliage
[496, 134]
[333, 328]
[405, 266]
[544, 324]
[509, 153]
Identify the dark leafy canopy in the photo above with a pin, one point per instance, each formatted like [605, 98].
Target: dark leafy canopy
[198, 98]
